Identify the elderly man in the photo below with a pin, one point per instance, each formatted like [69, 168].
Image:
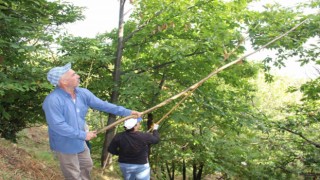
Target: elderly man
[65, 110]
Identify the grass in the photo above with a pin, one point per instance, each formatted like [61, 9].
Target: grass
[32, 159]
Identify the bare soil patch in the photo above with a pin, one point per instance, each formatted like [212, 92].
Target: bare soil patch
[32, 159]
[18, 164]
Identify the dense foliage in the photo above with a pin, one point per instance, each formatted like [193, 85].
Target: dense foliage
[27, 30]
[233, 126]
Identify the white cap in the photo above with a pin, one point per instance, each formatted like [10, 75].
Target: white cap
[130, 123]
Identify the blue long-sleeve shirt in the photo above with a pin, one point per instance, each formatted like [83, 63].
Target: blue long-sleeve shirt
[66, 118]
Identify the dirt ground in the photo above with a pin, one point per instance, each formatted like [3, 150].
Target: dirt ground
[18, 164]
[31, 159]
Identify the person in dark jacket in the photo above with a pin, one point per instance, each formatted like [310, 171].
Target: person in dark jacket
[132, 147]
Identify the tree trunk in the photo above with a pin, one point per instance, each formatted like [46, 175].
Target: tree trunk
[197, 171]
[194, 170]
[184, 170]
[171, 170]
[199, 175]
[149, 124]
[106, 157]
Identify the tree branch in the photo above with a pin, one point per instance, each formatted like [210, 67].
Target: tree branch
[141, 27]
[302, 136]
[196, 85]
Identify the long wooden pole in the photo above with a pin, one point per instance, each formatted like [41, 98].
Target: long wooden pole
[196, 85]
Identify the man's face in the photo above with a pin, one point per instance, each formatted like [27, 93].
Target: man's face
[71, 78]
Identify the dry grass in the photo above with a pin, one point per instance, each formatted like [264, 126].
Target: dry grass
[31, 159]
[17, 164]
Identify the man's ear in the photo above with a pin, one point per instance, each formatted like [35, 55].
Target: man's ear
[62, 81]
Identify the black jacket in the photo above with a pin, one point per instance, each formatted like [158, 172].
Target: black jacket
[132, 147]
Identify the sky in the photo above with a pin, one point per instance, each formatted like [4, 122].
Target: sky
[102, 16]
[293, 68]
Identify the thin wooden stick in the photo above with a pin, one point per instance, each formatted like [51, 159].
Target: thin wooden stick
[201, 81]
[172, 109]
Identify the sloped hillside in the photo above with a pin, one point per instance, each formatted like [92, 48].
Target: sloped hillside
[17, 163]
[31, 159]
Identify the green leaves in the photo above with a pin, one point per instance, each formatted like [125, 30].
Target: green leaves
[27, 28]
[311, 90]
[230, 124]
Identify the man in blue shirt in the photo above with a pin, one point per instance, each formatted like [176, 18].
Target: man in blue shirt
[65, 110]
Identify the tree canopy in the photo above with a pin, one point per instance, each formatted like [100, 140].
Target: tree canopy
[27, 30]
[231, 126]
